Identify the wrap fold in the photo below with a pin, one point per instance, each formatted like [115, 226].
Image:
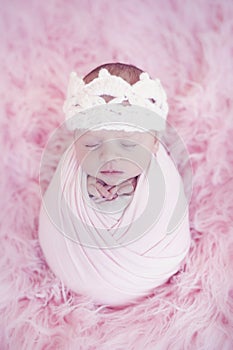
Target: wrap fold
[119, 250]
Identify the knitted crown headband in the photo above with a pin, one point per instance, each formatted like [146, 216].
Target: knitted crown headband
[140, 106]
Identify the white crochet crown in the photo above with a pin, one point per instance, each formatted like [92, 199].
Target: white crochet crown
[146, 93]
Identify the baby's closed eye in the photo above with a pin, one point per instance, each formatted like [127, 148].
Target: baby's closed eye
[128, 144]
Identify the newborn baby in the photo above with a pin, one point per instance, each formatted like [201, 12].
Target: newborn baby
[114, 220]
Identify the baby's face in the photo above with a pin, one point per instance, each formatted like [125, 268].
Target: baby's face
[114, 156]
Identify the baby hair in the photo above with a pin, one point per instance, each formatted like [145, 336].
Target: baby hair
[127, 72]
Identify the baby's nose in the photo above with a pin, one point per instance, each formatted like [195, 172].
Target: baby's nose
[109, 150]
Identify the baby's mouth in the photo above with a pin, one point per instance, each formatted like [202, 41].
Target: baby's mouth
[111, 172]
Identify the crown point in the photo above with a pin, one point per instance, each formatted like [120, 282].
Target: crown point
[103, 73]
[144, 76]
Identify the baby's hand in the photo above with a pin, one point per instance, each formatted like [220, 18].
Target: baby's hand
[126, 187]
[99, 189]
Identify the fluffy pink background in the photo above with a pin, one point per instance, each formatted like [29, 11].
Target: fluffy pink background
[188, 45]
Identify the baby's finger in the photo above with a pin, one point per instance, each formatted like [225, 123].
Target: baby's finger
[127, 189]
[127, 182]
[113, 190]
[102, 190]
[92, 190]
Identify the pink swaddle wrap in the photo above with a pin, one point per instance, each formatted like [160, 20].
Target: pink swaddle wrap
[119, 250]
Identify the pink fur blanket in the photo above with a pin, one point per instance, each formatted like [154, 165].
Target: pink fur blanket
[188, 45]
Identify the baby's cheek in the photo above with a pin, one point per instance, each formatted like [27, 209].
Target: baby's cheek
[79, 154]
[91, 165]
[139, 162]
[144, 158]
[84, 158]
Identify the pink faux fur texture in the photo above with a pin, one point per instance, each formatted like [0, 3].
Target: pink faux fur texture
[188, 45]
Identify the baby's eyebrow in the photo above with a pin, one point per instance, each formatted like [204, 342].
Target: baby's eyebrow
[129, 134]
[124, 135]
[91, 139]
[134, 136]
